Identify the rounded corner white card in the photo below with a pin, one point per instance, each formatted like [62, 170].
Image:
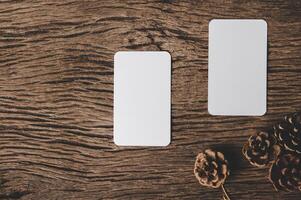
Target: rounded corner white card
[142, 98]
[237, 67]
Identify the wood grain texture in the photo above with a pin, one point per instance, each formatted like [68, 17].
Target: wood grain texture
[56, 97]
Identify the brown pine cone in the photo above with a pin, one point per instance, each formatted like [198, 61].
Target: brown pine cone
[260, 149]
[288, 133]
[211, 168]
[285, 173]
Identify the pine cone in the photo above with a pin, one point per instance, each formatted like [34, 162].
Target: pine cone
[211, 168]
[285, 173]
[288, 133]
[260, 149]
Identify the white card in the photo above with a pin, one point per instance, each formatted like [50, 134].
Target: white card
[237, 67]
[142, 93]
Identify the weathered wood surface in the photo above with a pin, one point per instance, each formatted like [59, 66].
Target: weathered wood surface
[56, 97]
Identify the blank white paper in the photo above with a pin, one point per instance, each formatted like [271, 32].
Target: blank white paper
[237, 67]
[142, 93]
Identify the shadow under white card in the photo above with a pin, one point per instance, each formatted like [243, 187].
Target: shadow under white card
[237, 67]
[142, 93]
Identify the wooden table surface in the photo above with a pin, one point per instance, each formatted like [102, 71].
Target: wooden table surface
[56, 98]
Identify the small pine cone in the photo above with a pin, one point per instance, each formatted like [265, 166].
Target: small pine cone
[285, 173]
[211, 169]
[260, 149]
[288, 133]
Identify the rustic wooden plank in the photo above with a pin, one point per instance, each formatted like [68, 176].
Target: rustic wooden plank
[56, 99]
